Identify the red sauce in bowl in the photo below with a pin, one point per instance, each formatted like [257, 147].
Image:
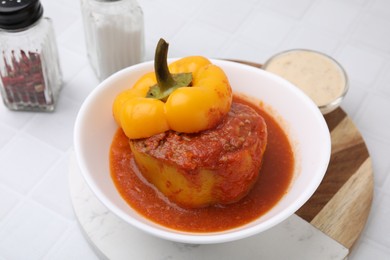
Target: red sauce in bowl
[273, 182]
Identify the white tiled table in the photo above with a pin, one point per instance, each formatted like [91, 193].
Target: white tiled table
[36, 217]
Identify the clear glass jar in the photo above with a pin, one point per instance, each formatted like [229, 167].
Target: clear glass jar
[318, 75]
[114, 32]
[29, 66]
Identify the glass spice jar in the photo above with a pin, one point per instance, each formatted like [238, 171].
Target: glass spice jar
[114, 34]
[30, 74]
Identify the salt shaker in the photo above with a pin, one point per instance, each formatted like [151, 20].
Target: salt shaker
[30, 74]
[114, 32]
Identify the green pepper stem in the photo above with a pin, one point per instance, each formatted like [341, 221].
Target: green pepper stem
[164, 77]
[166, 82]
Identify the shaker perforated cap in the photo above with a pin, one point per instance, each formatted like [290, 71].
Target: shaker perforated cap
[18, 14]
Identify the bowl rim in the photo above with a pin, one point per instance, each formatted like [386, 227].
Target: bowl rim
[194, 237]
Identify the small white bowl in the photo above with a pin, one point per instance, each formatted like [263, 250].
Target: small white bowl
[320, 76]
[299, 116]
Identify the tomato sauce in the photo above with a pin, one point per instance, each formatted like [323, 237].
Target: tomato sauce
[275, 176]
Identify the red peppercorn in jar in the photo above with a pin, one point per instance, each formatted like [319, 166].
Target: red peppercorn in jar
[30, 75]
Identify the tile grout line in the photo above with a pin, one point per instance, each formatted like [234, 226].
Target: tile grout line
[61, 240]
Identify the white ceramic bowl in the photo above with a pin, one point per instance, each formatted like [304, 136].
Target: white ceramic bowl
[300, 117]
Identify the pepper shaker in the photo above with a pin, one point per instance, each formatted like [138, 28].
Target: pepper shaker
[114, 32]
[30, 74]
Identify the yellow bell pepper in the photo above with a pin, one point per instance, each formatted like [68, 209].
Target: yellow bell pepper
[195, 97]
[205, 186]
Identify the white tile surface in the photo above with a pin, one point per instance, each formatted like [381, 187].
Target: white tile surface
[241, 9]
[295, 9]
[73, 246]
[353, 100]
[373, 114]
[16, 121]
[360, 63]
[78, 88]
[72, 38]
[8, 200]
[154, 18]
[265, 27]
[71, 63]
[381, 7]
[62, 15]
[373, 30]
[334, 16]
[378, 150]
[383, 81]
[34, 147]
[60, 124]
[29, 232]
[309, 37]
[243, 50]
[24, 161]
[188, 8]
[6, 133]
[53, 191]
[386, 186]
[189, 32]
[370, 250]
[380, 226]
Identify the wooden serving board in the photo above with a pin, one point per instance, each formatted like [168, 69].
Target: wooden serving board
[341, 204]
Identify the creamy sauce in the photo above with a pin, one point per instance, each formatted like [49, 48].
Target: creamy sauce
[317, 75]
